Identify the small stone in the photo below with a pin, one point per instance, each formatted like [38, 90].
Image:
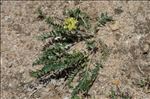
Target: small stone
[10, 85]
[114, 26]
[60, 82]
[17, 27]
[62, 79]
[70, 90]
[147, 39]
[118, 10]
[46, 90]
[66, 98]
[145, 47]
[42, 28]
[53, 81]
[7, 18]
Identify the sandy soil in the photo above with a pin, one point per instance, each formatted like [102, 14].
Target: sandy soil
[128, 39]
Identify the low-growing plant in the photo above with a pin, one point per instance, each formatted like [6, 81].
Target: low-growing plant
[103, 19]
[41, 15]
[119, 95]
[61, 62]
[144, 83]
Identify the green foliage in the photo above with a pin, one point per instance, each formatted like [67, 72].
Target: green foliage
[57, 31]
[40, 14]
[143, 83]
[57, 58]
[83, 18]
[90, 45]
[50, 21]
[104, 50]
[119, 95]
[76, 97]
[72, 76]
[113, 94]
[54, 61]
[87, 80]
[103, 19]
[51, 54]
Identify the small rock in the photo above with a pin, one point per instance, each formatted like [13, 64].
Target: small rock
[147, 39]
[10, 85]
[114, 26]
[118, 10]
[7, 18]
[46, 90]
[17, 27]
[42, 28]
[60, 82]
[145, 48]
[139, 37]
[66, 98]
[62, 79]
[70, 90]
[53, 81]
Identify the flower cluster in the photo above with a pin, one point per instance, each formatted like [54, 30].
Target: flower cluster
[70, 23]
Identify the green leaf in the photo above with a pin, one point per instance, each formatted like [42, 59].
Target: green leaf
[41, 15]
[83, 18]
[90, 45]
[75, 97]
[103, 19]
[113, 94]
[37, 73]
[87, 80]
[34, 74]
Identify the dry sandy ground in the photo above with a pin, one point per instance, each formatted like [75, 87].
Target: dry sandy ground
[129, 41]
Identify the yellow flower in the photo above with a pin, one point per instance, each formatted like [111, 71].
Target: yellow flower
[70, 23]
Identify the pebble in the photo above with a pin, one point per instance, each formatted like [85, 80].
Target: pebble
[70, 90]
[145, 47]
[53, 81]
[114, 26]
[66, 98]
[10, 85]
[147, 39]
[7, 18]
[17, 27]
[60, 82]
